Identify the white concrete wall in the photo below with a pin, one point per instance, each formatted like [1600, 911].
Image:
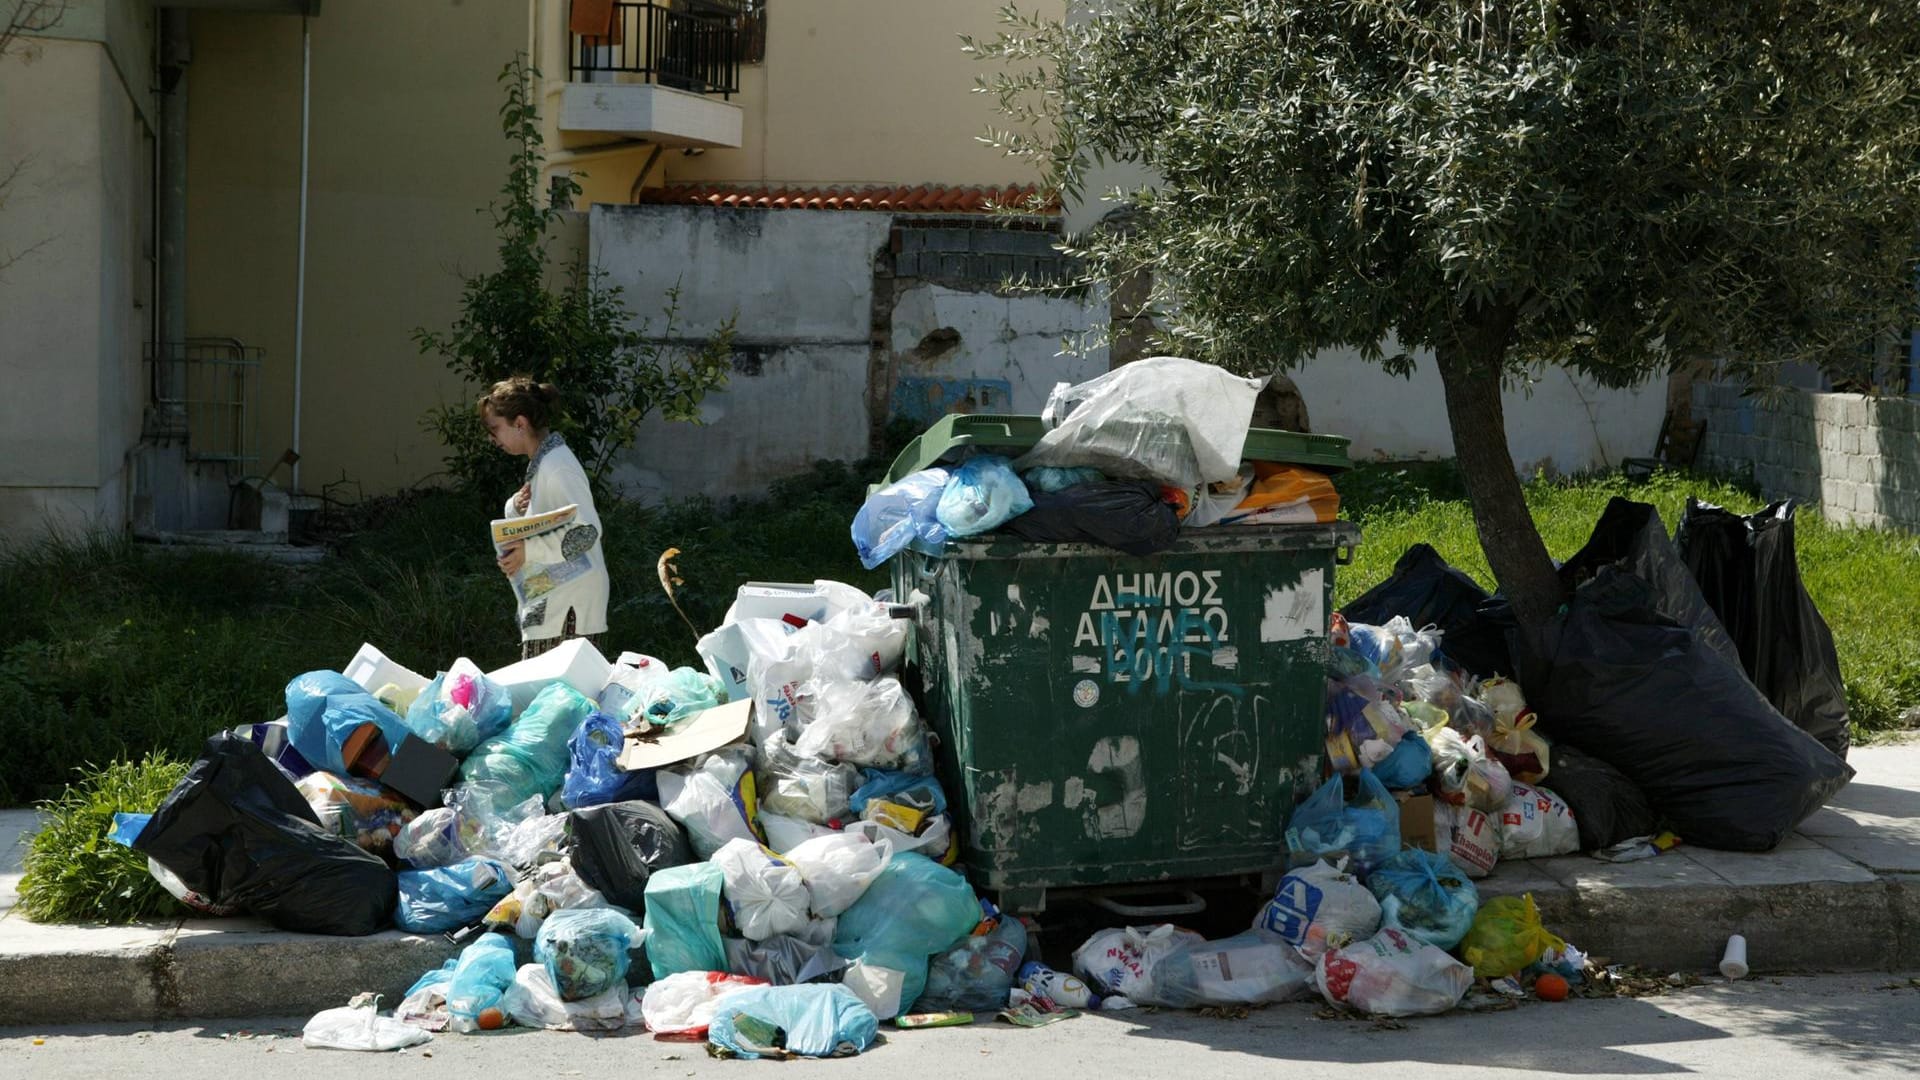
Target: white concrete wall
[1019, 339]
[1563, 423]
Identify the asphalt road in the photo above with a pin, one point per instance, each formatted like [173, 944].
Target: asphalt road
[1803, 1027]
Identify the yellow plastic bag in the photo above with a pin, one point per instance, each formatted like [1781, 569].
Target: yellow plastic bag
[1507, 937]
[1515, 743]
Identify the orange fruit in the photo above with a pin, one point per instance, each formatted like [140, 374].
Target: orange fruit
[1550, 987]
[494, 1019]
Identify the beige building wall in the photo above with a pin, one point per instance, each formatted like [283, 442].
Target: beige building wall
[75, 303]
[405, 150]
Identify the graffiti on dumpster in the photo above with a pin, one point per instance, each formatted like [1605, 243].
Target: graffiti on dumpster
[1150, 627]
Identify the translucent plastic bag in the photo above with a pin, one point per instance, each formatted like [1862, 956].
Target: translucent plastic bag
[482, 973]
[1409, 766]
[1466, 775]
[594, 776]
[328, 717]
[430, 840]
[977, 973]
[448, 898]
[785, 833]
[553, 887]
[1393, 974]
[684, 692]
[1537, 824]
[918, 791]
[359, 1028]
[1365, 832]
[1471, 838]
[766, 893]
[1050, 479]
[1163, 418]
[1515, 744]
[529, 759]
[915, 908]
[801, 786]
[899, 516]
[683, 917]
[1425, 895]
[1123, 961]
[860, 643]
[1507, 937]
[533, 1002]
[715, 802]
[1251, 968]
[984, 494]
[1319, 908]
[870, 724]
[683, 1003]
[586, 950]
[784, 960]
[358, 810]
[460, 709]
[839, 868]
[819, 1020]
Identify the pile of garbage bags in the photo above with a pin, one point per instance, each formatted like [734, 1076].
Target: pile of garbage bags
[1128, 461]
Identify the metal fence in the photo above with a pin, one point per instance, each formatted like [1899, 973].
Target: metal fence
[689, 45]
[205, 391]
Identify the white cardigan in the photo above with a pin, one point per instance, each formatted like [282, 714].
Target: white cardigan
[570, 558]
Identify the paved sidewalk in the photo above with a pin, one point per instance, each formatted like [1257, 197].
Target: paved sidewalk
[1842, 894]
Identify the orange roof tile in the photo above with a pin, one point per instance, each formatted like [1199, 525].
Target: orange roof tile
[920, 198]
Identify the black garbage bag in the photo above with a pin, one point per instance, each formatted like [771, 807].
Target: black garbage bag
[1429, 592]
[1127, 515]
[1626, 682]
[237, 831]
[616, 847]
[1630, 536]
[1606, 805]
[1747, 569]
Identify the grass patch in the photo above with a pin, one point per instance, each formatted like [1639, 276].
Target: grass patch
[74, 874]
[1863, 580]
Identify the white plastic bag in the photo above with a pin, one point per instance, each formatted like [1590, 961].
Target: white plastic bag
[1163, 418]
[683, 1004]
[1319, 908]
[359, 1028]
[1251, 968]
[785, 833]
[766, 892]
[839, 867]
[1393, 974]
[1466, 775]
[1537, 824]
[1468, 836]
[533, 1002]
[714, 801]
[1122, 961]
[860, 643]
[935, 837]
[868, 724]
[430, 840]
[801, 786]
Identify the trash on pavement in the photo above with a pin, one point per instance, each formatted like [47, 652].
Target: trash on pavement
[1507, 937]
[533, 1002]
[450, 897]
[481, 974]
[683, 917]
[817, 1020]
[1319, 908]
[1393, 974]
[978, 972]
[1366, 831]
[914, 909]
[1425, 895]
[1733, 962]
[359, 1027]
[1123, 961]
[682, 1004]
[617, 847]
[1251, 968]
[586, 950]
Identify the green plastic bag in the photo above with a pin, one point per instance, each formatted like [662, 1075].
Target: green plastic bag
[1507, 937]
[530, 757]
[914, 909]
[683, 917]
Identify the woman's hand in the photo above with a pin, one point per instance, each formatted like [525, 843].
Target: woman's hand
[521, 498]
[513, 558]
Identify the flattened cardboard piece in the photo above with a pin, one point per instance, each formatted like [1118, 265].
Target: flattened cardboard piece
[709, 729]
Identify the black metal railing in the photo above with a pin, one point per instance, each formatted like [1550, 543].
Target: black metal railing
[689, 45]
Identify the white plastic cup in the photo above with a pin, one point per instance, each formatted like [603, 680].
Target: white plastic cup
[1734, 963]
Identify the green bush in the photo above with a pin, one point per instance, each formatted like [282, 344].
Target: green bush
[74, 874]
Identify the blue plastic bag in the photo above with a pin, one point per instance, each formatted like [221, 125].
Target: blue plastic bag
[585, 950]
[450, 897]
[683, 917]
[818, 1019]
[325, 709]
[1050, 478]
[127, 828]
[460, 709]
[977, 974]
[530, 757]
[914, 909]
[1410, 764]
[480, 976]
[684, 692]
[983, 495]
[913, 790]
[899, 516]
[1365, 831]
[1427, 896]
[594, 777]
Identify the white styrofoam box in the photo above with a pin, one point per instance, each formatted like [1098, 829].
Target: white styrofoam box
[725, 653]
[774, 600]
[371, 669]
[574, 661]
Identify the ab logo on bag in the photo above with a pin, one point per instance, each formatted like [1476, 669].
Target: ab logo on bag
[1292, 909]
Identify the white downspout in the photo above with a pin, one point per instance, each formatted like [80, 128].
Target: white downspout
[300, 280]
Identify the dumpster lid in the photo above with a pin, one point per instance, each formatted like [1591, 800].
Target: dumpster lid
[1014, 434]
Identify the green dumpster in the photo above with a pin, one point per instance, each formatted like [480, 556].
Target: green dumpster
[1107, 720]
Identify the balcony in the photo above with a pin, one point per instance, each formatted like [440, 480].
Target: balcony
[663, 72]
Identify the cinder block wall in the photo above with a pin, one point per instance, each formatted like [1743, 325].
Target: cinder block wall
[1855, 457]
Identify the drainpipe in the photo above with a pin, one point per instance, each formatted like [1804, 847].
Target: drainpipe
[176, 52]
[300, 280]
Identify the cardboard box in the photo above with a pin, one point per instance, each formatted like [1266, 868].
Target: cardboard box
[1416, 820]
[709, 729]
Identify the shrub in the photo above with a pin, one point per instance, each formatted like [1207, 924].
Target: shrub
[74, 873]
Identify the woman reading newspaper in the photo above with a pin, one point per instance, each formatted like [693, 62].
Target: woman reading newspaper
[549, 544]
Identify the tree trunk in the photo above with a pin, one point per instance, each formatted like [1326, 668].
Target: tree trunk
[1470, 371]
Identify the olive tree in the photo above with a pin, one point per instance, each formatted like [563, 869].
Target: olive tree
[1618, 188]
